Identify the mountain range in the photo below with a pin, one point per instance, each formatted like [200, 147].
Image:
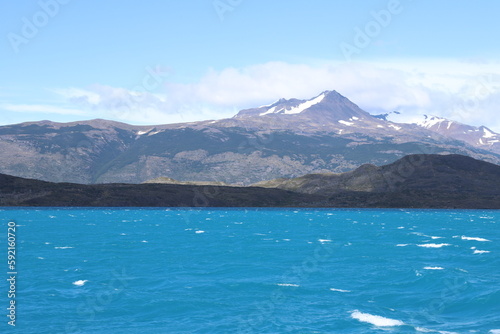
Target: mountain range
[289, 138]
[481, 137]
[415, 181]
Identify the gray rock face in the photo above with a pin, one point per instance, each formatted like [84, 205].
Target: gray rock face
[289, 138]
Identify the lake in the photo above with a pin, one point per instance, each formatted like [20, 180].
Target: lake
[253, 271]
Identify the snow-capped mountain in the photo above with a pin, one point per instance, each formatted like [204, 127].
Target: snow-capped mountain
[277, 109]
[332, 112]
[288, 138]
[327, 112]
[328, 104]
[477, 136]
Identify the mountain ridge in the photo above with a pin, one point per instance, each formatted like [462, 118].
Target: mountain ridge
[480, 136]
[327, 133]
[451, 181]
[400, 175]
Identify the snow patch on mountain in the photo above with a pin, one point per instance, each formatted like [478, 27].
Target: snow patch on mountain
[149, 132]
[141, 133]
[346, 123]
[488, 137]
[488, 133]
[295, 110]
[270, 111]
[430, 121]
[306, 105]
[269, 105]
[476, 136]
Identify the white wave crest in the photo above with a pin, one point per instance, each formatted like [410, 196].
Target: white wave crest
[433, 245]
[287, 284]
[477, 251]
[376, 319]
[474, 239]
[433, 268]
[80, 282]
[339, 290]
[425, 330]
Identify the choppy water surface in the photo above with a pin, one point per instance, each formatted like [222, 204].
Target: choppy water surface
[255, 271]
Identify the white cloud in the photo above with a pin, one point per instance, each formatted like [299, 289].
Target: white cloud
[465, 91]
[41, 108]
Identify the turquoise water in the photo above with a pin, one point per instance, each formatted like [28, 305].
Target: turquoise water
[254, 271]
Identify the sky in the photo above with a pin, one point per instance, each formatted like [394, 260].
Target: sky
[163, 61]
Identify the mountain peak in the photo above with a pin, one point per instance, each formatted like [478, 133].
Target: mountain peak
[480, 136]
[329, 104]
[332, 93]
[431, 121]
[292, 106]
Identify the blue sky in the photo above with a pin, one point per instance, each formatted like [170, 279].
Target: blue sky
[173, 61]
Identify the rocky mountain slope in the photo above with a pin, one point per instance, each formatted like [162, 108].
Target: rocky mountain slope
[480, 137]
[437, 173]
[416, 181]
[289, 138]
[15, 191]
